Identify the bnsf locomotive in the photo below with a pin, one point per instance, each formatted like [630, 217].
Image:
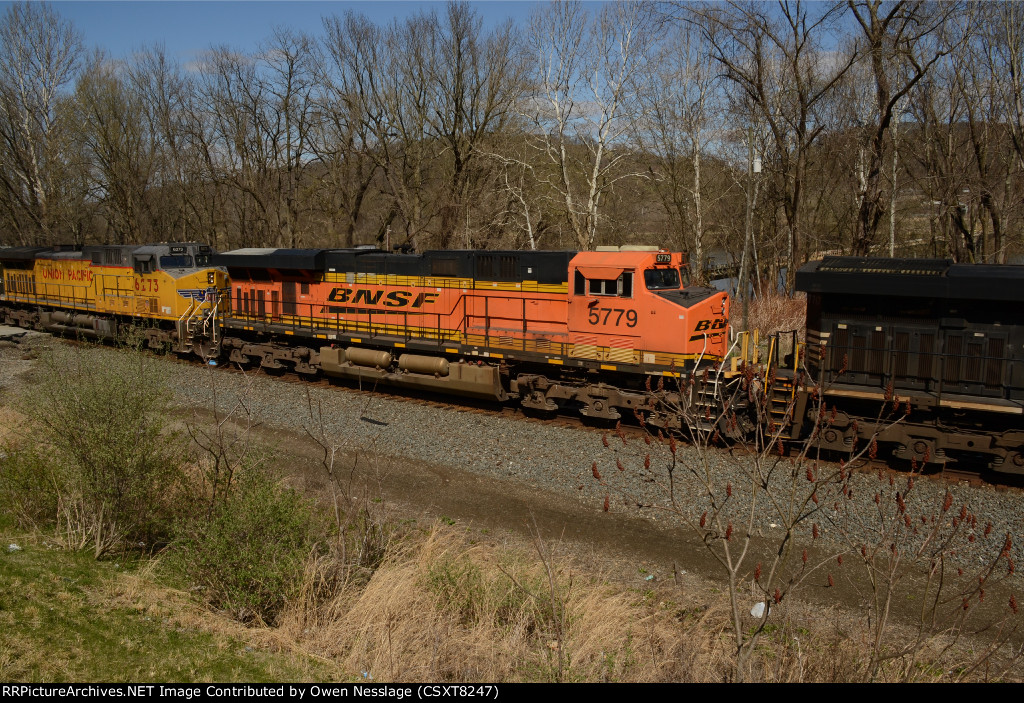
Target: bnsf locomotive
[553, 329]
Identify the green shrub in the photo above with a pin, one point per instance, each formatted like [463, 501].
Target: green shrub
[248, 556]
[27, 489]
[96, 434]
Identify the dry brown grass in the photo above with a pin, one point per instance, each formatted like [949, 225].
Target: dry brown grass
[11, 424]
[772, 312]
[440, 608]
[443, 609]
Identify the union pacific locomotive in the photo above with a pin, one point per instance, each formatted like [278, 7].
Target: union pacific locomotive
[92, 291]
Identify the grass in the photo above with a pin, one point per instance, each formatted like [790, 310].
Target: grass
[64, 616]
[439, 608]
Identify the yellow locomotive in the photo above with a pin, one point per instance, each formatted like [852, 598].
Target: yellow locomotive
[95, 290]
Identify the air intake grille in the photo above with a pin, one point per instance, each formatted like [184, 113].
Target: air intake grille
[852, 264]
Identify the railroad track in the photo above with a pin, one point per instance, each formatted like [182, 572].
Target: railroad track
[627, 429]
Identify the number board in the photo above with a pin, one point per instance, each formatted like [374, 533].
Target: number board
[663, 259]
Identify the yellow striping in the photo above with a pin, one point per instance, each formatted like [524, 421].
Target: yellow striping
[451, 351]
[373, 279]
[555, 361]
[399, 344]
[289, 332]
[497, 356]
[623, 356]
[77, 284]
[608, 367]
[357, 340]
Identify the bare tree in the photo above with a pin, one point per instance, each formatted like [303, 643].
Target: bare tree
[1007, 58]
[287, 74]
[241, 155]
[479, 78]
[39, 56]
[778, 60]
[583, 100]
[985, 78]
[167, 100]
[116, 143]
[343, 135]
[942, 161]
[682, 116]
[898, 59]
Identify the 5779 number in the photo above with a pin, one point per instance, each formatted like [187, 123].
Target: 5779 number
[612, 316]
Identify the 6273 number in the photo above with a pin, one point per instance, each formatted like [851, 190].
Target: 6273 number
[611, 316]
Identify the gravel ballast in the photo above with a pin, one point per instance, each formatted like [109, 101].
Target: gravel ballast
[560, 460]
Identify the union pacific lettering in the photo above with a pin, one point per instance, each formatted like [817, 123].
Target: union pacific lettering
[393, 299]
[75, 274]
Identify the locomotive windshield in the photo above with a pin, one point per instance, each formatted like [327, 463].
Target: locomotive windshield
[175, 262]
[661, 279]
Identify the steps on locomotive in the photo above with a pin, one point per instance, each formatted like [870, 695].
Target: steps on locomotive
[781, 397]
[706, 406]
[781, 370]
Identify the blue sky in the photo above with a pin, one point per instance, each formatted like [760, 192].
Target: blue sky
[186, 28]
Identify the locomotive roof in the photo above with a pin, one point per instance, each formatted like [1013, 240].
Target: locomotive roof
[269, 258]
[919, 278]
[21, 253]
[542, 266]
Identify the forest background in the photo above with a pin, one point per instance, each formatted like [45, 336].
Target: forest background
[754, 136]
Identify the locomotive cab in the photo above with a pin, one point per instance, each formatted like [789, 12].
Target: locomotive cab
[635, 304]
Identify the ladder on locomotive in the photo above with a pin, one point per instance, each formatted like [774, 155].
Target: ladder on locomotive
[706, 404]
[784, 350]
[198, 324]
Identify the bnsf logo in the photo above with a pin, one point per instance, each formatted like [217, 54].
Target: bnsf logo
[708, 328]
[394, 299]
[711, 325]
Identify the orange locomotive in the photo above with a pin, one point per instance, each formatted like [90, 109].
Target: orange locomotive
[555, 329]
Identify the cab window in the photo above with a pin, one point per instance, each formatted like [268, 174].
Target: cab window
[176, 262]
[621, 286]
[661, 279]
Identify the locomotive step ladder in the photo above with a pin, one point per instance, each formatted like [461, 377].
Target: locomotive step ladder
[706, 405]
[781, 384]
[198, 324]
